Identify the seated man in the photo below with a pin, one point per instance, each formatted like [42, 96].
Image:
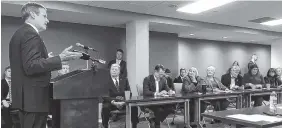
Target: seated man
[116, 86]
[180, 78]
[155, 85]
[169, 79]
[6, 98]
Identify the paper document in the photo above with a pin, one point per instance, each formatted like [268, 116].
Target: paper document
[256, 117]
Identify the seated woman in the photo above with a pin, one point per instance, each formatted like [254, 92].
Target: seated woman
[279, 75]
[254, 80]
[272, 80]
[6, 97]
[233, 80]
[214, 85]
[189, 85]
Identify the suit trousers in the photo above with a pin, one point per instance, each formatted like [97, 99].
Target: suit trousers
[161, 112]
[6, 116]
[33, 119]
[108, 107]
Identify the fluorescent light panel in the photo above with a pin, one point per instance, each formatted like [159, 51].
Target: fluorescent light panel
[273, 22]
[203, 5]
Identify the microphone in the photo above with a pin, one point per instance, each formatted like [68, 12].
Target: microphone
[86, 56]
[85, 47]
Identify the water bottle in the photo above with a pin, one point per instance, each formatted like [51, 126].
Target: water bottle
[273, 102]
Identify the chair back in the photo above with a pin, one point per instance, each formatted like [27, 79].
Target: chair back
[139, 92]
[178, 87]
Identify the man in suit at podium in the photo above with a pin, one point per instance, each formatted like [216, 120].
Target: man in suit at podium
[116, 86]
[120, 62]
[31, 67]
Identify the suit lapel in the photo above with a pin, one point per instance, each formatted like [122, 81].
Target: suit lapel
[152, 80]
[121, 84]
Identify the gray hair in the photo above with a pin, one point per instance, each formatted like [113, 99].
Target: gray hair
[115, 65]
[195, 69]
[30, 7]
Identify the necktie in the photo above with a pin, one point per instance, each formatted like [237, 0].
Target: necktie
[116, 83]
[10, 90]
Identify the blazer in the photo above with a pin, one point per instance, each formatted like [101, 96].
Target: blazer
[209, 87]
[31, 70]
[4, 89]
[189, 86]
[170, 83]
[123, 68]
[226, 80]
[113, 92]
[149, 85]
[178, 80]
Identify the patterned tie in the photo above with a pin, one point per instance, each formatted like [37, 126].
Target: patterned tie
[117, 85]
[10, 90]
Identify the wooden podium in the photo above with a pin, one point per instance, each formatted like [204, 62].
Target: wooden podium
[79, 93]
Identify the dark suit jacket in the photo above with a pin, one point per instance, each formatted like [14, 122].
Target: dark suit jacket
[170, 83]
[112, 90]
[226, 80]
[4, 89]
[149, 85]
[123, 69]
[31, 70]
[178, 80]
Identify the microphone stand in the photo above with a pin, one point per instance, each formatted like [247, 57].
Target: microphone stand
[87, 65]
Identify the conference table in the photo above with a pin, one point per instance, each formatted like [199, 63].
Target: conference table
[251, 117]
[147, 101]
[197, 97]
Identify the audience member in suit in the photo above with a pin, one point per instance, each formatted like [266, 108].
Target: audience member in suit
[120, 62]
[180, 78]
[31, 67]
[214, 85]
[279, 74]
[232, 80]
[254, 80]
[116, 86]
[253, 61]
[155, 85]
[169, 79]
[6, 98]
[272, 80]
[189, 85]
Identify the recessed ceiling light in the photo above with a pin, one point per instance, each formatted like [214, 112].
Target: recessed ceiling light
[252, 40]
[224, 37]
[191, 34]
[203, 5]
[272, 22]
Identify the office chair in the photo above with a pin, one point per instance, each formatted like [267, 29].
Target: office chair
[178, 108]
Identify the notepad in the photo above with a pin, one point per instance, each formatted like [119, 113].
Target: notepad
[255, 117]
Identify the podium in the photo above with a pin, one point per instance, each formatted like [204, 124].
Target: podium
[79, 93]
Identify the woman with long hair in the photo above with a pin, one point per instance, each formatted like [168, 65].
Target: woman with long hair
[254, 80]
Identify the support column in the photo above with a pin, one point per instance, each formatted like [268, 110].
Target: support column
[137, 53]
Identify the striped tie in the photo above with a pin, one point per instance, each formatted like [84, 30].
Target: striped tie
[10, 90]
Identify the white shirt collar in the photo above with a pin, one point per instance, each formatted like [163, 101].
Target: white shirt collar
[114, 79]
[33, 27]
